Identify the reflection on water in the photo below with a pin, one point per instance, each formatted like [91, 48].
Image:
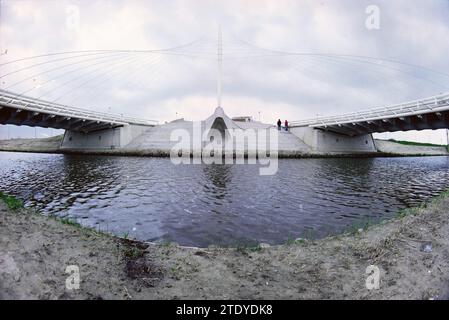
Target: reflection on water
[198, 205]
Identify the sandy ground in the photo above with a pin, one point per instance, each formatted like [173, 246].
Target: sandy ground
[35, 251]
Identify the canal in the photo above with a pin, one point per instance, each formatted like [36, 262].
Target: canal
[198, 205]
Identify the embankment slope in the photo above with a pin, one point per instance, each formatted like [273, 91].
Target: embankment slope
[35, 251]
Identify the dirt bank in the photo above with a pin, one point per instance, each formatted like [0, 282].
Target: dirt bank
[35, 251]
[47, 145]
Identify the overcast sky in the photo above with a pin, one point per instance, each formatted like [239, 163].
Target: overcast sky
[181, 82]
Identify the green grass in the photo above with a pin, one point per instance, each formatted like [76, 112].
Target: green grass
[366, 223]
[11, 202]
[133, 252]
[255, 248]
[362, 224]
[15, 204]
[412, 143]
[244, 248]
[310, 234]
[442, 195]
[70, 222]
[166, 243]
[415, 210]
[292, 241]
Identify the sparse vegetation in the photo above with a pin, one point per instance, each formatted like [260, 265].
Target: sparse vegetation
[300, 241]
[415, 210]
[291, 241]
[412, 143]
[71, 222]
[362, 224]
[133, 252]
[409, 211]
[11, 202]
[245, 248]
[166, 243]
[255, 248]
[220, 272]
[442, 195]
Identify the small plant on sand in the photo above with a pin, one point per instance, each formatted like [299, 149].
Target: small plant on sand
[166, 243]
[310, 234]
[255, 248]
[357, 226]
[175, 269]
[11, 202]
[133, 252]
[290, 241]
[244, 248]
[300, 241]
[410, 211]
[70, 222]
[402, 213]
[444, 194]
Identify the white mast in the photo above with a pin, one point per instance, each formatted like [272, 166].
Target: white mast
[219, 65]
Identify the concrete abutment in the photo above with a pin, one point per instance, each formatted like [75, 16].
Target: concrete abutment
[329, 142]
[111, 138]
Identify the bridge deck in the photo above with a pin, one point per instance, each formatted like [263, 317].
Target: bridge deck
[24, 110]
[428, 113]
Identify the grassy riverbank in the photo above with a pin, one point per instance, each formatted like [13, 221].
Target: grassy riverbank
[35, 251]
[420, 144]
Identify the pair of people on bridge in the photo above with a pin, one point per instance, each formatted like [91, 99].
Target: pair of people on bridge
[279, 123]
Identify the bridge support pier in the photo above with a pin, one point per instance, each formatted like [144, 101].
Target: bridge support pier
[329, 142]
[105, 139]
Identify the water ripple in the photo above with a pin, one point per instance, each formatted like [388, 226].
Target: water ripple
[152, 199]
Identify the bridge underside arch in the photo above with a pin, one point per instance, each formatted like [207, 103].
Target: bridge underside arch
[220, 126]
[22, 117]
[432, 121]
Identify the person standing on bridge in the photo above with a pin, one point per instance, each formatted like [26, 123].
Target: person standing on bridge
[279, 124]
[286, 125]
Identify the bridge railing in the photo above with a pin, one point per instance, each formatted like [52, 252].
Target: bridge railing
[28, 103]
[403, 109]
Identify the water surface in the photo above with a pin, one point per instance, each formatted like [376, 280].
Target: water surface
[198, 205]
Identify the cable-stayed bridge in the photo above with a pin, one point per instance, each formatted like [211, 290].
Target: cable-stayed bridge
[428, 113]
[67, 90]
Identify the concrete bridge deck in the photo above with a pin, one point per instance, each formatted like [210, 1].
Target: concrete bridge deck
[90, 131]
[23, 110]
[428, 113]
